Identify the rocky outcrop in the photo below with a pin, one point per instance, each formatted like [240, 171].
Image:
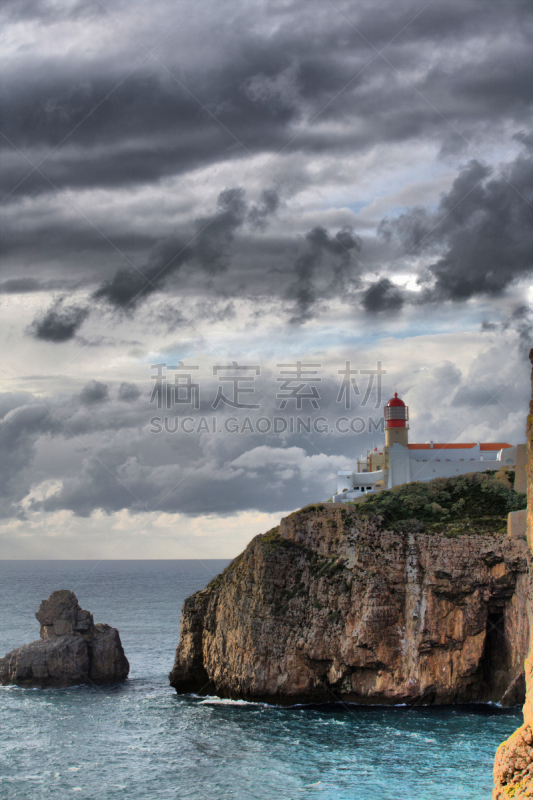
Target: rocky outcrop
[71, 650]
[513, 765]
[336, 605]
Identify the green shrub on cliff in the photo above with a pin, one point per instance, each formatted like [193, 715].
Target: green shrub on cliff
[474, 496]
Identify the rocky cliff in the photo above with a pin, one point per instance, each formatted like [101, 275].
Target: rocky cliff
[416, 595]
[513, 766]
[71, 650]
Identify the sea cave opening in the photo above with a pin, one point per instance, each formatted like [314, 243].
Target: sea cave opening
[495, 664]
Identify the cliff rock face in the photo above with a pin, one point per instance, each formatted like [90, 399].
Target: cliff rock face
[71, 650]
[333, 605]
[513, 766]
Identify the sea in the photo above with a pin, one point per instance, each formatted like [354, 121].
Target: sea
[139, 740]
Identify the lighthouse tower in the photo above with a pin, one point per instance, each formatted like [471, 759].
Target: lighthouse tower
[396, 427]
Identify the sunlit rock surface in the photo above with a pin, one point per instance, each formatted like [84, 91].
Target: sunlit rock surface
[334, 604]
[513, 766]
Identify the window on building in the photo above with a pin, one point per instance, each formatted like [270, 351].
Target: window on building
[369, 488]
[461, 459]
[437, 459]
[447, 459]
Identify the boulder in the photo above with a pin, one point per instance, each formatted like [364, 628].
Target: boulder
[72, 649]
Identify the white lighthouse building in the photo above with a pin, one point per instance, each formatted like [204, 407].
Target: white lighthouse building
[401, 462]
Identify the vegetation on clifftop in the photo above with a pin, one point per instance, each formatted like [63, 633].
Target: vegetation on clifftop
[484, 498]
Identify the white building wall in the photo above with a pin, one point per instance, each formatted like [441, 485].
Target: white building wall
[352, 485]
[344, 481]
[423, 465]
[464, 454]
[421, 471]
[399, 465]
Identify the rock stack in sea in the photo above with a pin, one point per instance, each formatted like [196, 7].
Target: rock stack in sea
[513, 766]
[72, 649]
[414, 596]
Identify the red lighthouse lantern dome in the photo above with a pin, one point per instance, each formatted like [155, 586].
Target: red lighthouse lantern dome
[396, 413]
[395, 401]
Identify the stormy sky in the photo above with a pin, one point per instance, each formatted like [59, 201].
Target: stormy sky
[228, 190]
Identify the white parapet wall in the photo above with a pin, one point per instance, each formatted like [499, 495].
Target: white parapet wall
[447, 469]
[516, 524]
[356, 484]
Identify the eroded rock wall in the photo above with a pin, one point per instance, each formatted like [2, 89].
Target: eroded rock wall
[330, 606]
[513, 765]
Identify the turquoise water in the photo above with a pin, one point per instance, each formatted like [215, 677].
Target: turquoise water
[139, 740]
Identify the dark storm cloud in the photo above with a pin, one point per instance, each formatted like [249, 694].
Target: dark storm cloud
[28, 420]
[313, 85]
[242, 474]
[323, 267]
[129, 287]
[149, 128]
[19, 432]
[215, 233]
[128, 392]
[11, 400]
[20, 286]
[213, 310]
[30, 285]
[176, 490]
[480, 239]
[60, 323]
[264, 89]
[269, 204]
[47, 12]
[206, 248]
[521, 320]
[94, 392]
[382, 295]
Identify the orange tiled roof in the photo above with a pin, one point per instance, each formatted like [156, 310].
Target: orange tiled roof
[458, 446]
[446, 446]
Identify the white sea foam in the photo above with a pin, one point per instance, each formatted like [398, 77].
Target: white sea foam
[225, 701]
